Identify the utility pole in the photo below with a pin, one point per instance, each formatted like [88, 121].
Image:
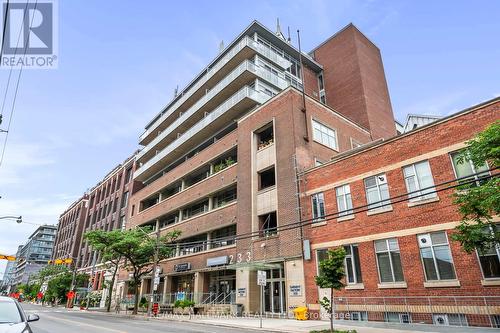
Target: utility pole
[155, 274]
[94, 259]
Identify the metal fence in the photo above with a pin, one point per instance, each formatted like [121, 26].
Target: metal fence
[481, 311]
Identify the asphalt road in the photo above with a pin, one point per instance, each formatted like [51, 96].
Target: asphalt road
[58, 320]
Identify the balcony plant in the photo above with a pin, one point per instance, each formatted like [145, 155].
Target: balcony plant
[265, 144]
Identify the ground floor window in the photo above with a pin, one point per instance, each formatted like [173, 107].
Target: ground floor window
[397, 317]
[449, 319]
[358, 315]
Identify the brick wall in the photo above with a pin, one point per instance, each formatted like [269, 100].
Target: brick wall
[404, 221]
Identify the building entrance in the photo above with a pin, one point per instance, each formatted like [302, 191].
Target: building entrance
[274, 291]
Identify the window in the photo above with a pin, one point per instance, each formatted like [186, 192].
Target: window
[268, 224]
[377, 191]
[389, 260]
[324, 135]
[321, 86]
[124, 199]
[490, 258]
[318, 207]
[128, 175]
[397, 317]
[195, 209]
[419, 182]
[223, 237]
[352, 265]
[436, 256]
[320, 256]
[344, 200]
[265, 136]
[267, 178]
[358, 315]
[449, 319]
[467, 168]
[224, 198]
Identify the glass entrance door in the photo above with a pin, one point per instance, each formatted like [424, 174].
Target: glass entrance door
[274, 291]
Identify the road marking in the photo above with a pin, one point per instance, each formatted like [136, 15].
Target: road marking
[84, 324]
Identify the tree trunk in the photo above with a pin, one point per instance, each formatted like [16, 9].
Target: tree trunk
[110, 291]
[136, 296]
[332, 310]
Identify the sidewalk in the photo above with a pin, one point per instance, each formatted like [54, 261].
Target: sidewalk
[296, 326]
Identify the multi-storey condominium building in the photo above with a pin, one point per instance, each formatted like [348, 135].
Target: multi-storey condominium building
[69, 231]
[9, 273]
[107, 210]
[35, 254]
[394, 213]
[222, 159]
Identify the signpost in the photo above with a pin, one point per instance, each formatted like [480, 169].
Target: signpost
[261, 281]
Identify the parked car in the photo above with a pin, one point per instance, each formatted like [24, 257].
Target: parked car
[12, 317]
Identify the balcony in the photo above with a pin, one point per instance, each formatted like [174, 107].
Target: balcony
[232, 108]
[244, 73]
[244, 49]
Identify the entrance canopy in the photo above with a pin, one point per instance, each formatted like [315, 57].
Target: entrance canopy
[255, 266]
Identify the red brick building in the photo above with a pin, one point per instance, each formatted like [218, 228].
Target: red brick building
[222, 158]
[401, 263]
[69, 231]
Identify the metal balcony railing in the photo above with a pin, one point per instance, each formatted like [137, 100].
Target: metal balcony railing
[245, 92]
[246, 41]
[246, 65]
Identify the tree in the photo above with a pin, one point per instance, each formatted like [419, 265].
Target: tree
[137, 250]
[59, 285]
[103, 242]
[331, 274]
[478, 204]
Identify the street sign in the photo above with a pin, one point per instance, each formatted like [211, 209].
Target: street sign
[261, 278]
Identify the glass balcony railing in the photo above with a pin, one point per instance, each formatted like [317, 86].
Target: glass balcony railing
[246, 65]
[244, 42]
[245, 92]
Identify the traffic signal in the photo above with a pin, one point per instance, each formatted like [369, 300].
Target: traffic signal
[8, 258]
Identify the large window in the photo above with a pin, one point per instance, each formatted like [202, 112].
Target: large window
[267, 178]
[389, 260]
[324, 135]
[268, 224]
[352, 265]
[490, 258]
[419, 182]
[467, 170]
[436, 256]
[344, 200]
[225, 197]
[124, 199]
[377, 191]
[320, 256]
[321, 86]
[318, 207]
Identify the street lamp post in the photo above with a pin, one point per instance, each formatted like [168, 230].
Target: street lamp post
[19, 219]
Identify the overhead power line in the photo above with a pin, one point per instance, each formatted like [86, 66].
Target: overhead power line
[359, 209]
[17, 83]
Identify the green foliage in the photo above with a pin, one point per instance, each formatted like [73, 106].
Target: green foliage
[183, 304]
[332, 270]
[477, 204]
[60, 284]
[143, 302]
[136, 247]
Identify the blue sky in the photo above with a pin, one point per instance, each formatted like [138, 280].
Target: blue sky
[119, 62]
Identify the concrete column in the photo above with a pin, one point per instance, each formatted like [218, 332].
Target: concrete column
[209, 238]
[247, 280]
[178, 250]
[183, 184]
[211, 168]
[167, 287]
[210, 203]
[180, 215]
[198, 289]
